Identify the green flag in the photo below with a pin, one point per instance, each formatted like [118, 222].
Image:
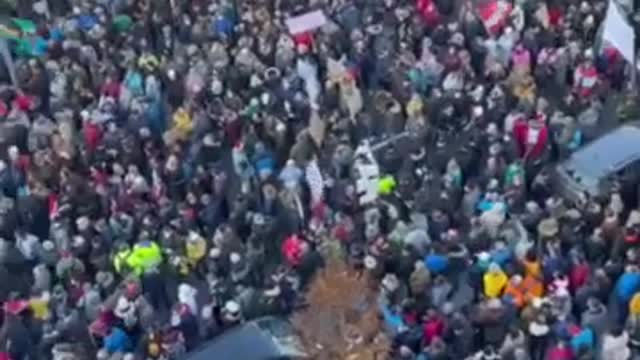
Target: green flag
[25, 25]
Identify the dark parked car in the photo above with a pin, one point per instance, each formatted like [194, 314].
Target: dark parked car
[267, 338]
[612, 159]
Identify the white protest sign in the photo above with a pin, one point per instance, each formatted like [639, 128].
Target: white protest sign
[306, 22]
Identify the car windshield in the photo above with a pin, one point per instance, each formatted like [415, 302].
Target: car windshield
[605, 155]
[283, 336]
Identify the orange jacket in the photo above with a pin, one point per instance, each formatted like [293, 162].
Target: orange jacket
[517, 294]
[532, 268]
[533, 287]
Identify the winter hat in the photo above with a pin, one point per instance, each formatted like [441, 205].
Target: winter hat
[448, 308]
[573, 214]
[78, 241]
[532, 206]
[390, 282]
[48, 245]
[548, 227]
[494, 304]
[193, 236]
[231, 307]
[538, 328]
[370, 262]
[484, 256]
[83, 223]
[215, 253]
[102, 354]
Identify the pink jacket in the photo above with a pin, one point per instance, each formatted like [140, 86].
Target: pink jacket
[521, 59]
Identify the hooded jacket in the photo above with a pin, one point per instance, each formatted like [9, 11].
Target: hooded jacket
[627, 285]
[494, 282]
[596, 318]
[616, 347]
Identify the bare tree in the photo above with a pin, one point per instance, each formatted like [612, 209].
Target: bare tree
[341, 321]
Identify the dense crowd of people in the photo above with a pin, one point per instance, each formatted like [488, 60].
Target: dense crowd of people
[173, 168]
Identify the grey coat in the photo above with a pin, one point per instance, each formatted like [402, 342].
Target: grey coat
[596, 319]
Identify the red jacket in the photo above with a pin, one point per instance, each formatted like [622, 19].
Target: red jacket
[585, 78]
[432, 329]
[555, 16]
[292, 250]
[579, 276]
[92, 135]
[23, 102]
[305, 39]
[560, 353]
[111, 89]
[429, 12]
[526, 145]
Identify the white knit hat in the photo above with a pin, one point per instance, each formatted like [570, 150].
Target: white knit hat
[370, 262]
[231, 307]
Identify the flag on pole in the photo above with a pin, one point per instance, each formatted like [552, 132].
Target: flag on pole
[6, 57]
[618, 33]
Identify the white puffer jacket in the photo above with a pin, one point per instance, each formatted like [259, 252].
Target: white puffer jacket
[616, 348]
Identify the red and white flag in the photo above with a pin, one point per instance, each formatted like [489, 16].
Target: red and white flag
[494, 14]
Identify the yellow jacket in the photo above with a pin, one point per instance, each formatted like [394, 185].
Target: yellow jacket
[195, 249]
[120, 260]
[40, 308]
[634, 304]
[182, 123]
[144, 256]
[494, 282]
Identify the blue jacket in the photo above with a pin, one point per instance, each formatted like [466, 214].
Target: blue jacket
[223, 27]
[118, 341]
[502, 256]
[585, 338]
[436, 263]
[392, 321]
[628, 284]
